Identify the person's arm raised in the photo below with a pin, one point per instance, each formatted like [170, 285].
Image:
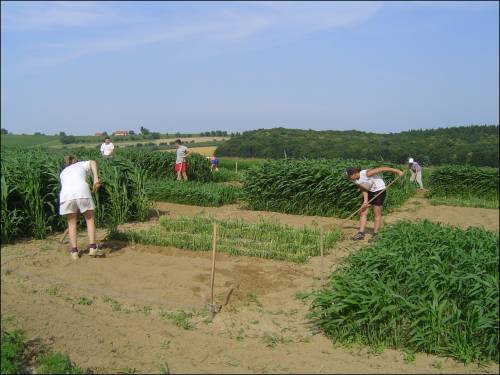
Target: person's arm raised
[374, 171]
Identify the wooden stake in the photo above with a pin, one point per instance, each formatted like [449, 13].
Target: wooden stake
[236, 167]
[214, 241]
[321, 247]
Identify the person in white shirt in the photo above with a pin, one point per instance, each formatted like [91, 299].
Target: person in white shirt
[75, 197]
[416, 173]
[107, 147]
[371, 186]
[182, 153]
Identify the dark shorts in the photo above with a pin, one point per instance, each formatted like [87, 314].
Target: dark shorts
[379, 201]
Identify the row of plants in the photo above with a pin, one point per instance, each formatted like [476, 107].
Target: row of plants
[422, 287]
[464, 186]
[192, 192]
[13, 359]
[265, 239]
[315, 187]
[30, 187]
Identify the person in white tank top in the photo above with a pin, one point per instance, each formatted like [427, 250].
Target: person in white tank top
[372, 186]
[75, 198]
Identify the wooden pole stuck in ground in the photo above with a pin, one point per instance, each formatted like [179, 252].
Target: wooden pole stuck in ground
[321, 248]
[236, 167]
[214, 243]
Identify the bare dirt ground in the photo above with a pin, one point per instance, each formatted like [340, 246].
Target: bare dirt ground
[262, 329]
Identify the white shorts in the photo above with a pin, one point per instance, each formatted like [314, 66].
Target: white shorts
[74, 206]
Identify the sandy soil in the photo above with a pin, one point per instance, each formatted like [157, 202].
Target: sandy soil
[262, 329]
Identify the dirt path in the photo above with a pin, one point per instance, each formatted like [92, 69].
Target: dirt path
[126, 326]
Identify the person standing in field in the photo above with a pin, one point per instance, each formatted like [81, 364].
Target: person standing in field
[182, 153]
[214, 163]
[371, 186]
[416, 172]
[107, 147]
[75, 197]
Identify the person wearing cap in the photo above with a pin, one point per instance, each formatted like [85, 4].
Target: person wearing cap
[416, 172]
[371, 186]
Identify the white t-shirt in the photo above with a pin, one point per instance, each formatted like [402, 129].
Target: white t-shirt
[373, 183]
[106, 150]
[73, 181]
[181, 151]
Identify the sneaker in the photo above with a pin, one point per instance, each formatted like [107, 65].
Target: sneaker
[93, 252]
[373, 238]
[358, 236]
[96, 253]
[74, 254]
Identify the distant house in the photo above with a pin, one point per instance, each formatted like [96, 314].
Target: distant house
[120, 133]
[99, 134]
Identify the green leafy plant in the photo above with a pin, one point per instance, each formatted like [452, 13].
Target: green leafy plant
[265, 239]
[314, 187]
[422, 287]
[464, 186]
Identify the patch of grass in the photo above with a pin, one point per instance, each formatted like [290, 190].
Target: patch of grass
[179, 318]
[57, 363]
[115, 305]
[409, 357]
[147, 310]
[254, 322]
[477, 202]
[265, 239]
[52, 291]
[84, 301]
[12, 348]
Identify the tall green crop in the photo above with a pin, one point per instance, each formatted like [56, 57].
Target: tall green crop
[314, 187]
[421, 286]
[466, 183]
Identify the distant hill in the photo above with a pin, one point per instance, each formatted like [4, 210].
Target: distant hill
[473, 145]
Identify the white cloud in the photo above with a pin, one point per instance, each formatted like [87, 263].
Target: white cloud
[127, 26]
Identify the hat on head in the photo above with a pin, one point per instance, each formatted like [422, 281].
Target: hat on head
[410, 160]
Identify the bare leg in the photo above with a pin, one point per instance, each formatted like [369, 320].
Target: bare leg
[72, 220]
[185, 176]
[362, 219]
[377, 222]
[89, 218]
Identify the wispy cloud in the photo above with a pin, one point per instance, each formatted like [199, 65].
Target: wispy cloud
[129, 25]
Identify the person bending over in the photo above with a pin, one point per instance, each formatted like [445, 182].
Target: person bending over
[371, 185]
[75, 197]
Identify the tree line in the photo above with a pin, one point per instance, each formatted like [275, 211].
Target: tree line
[469, 145]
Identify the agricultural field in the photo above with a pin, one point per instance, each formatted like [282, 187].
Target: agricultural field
[464, 186]
[14, 140]
[144, 307]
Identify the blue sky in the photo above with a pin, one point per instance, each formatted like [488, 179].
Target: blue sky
[82, 67]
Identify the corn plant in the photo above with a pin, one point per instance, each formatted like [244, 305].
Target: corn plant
[265, 239]
[420, 287]
[465, 185]
[196, 193]
[313, 187]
